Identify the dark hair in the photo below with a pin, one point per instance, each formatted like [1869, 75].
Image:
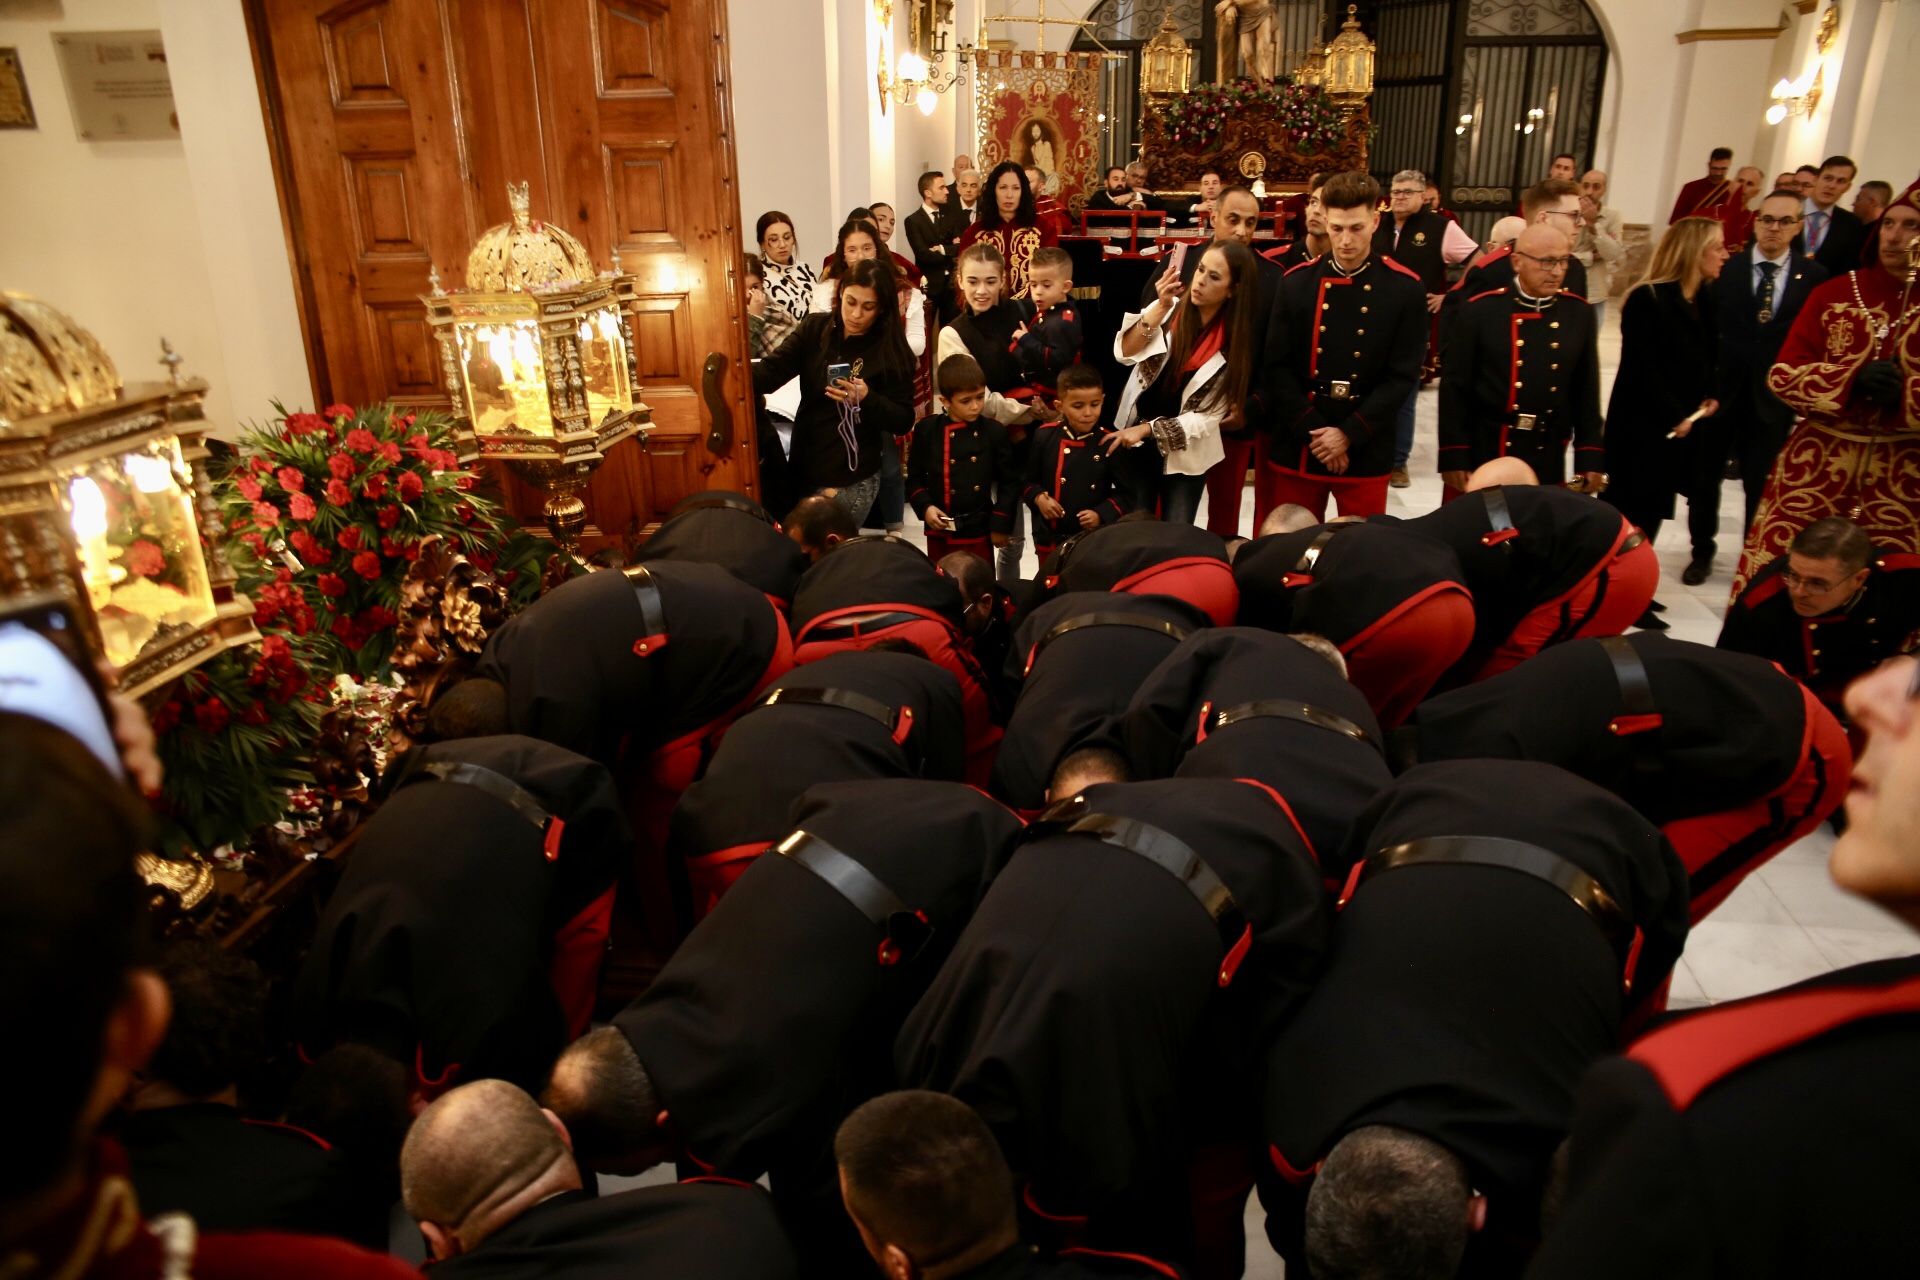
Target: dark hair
[1808, 168]
[924, 1174]
[1884, 188]
[860, 213]
[815, 516]
[1236, 191]
[1240, 314]
[1350, 191]
[1387, 1202]
[607, 1100]
[1566, 155]
[927, 180]
[355, 1097]
[766, 221]
[1079, 377]
[1106, 762]
[218, 1035]
[755, 267]
[1050, 257]
[473, 708]
[1545, 192]
[1113, 169]
[70, 929]
[1835, 538]
[891, 357]
[1837, 162]
[1720, 153]
[1783, 194]
[990, 219]
[959, 373]
[1209, 173]
[972, 575]
[837, 265]
[879, 204]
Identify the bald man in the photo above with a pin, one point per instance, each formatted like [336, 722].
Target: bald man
[1523, 372]
[490, 1177]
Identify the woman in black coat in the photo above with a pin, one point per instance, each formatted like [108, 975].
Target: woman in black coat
[1665, 386]
[837, 432]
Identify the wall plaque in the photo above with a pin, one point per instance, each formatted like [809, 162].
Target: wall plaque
[16, 108]
[118, 84]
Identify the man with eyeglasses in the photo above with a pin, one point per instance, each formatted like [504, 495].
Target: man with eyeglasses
[1553, 201]
[1759, 294]
[1426, 244]
[1523, 373]
[1829, 610]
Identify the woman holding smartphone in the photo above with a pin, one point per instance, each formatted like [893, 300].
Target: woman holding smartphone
[856, 387]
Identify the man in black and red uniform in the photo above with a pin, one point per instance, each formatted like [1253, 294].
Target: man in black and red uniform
[1234, 702]
[498, 1195]
[1757, 1138]
[1729, 756]
[1829, 610]
[852, 715]
[466, 935]
[1345, 344]
[1554, 202]
[1141, 556]
[1101, 1008]
[1078, 658]
[1523, 373]
[773, 1018]
[734, 532]
[1395, 605]
[1495, 916]
[1544, 564]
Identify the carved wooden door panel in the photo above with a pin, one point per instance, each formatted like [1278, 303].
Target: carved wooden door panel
[403, 121]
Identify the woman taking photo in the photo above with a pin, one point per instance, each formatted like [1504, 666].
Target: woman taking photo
[1009, 223]
[856, 387]
[1193, 361]
[1661, 437]
[789, 280]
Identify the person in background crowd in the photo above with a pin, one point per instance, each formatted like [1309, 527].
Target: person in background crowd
[1009, 222]
[1565, 166]
[1872, 200]
[963, 206]
[1804, 177]
[1702, 194]
[960, 470]
[1070, 480]
[1756, 302]
[883, 221]
[767, 325]
[1116, 193]
[1787, 181]
[1051, 213]
[790, 281]
[1050, 335]
[1830, 235]
[1209, 197]
[1601, 246]
[1432, 201]
[934, 241]
[1664, 390]
[1504, 232]
[1311, 240]
[1426, 244]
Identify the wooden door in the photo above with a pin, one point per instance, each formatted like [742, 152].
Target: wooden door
[399, 125]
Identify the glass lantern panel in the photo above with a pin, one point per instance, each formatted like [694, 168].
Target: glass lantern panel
[139, 547]
[505, 375]
[603, 364]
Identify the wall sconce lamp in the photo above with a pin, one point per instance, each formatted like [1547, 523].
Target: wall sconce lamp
[1795, 98]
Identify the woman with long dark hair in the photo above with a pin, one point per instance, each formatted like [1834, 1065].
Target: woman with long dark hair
[1193, 359]
[1010, 224]
[789, 280]
[856, 386]
[1665, 387]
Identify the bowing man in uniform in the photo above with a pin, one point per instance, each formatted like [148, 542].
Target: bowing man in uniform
[1102, 1006]
[1396, 605]
[466, 935]
[1344, 348]
[1523, 373]
[492, 1181]
[853, 715]
[774, 1017]
[1141, 556]
[1545, 565]
[1498, 921]
[1729, 756]
[1077, 660]
[735, 532]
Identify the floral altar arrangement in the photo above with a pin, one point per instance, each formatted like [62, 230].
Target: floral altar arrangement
[1283, 131]
[1308, 116]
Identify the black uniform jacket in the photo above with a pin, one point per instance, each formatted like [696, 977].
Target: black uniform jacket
[775, 1016]
[1719, 730]
[1558, 537]
[228, 1173]
[697, 1230]
[1051, 342]
[1767, 1137]
[1830, 651]
[1464, 1002]
[1111, 557]
[1494, 270]
[1361, 576]
[1343, 351]
[1328, 763]
[1521, 381]
[1076, 472]
[434, 947]
[965, 469]
[574, 677]
[789, 742]
[1081, 657]
[1069, 1010]
[1421, 247]
[731, 531]
[873, 574]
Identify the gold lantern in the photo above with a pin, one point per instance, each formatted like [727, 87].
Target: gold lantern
[105, 500]
[1348, 78]
[538, 356]
[1166, 62]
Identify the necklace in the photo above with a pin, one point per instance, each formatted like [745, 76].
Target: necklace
[1886, 327]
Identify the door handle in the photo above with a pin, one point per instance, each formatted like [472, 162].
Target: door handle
[719, 412]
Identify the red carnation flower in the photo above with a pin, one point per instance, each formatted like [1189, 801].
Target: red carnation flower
[291, 479]
[249, 488]
[349, 538]
[389, 516]
[419, 446]
[367, 565]
[259, 466]
[360, 440]
[398, 548]
[338, 411]
[378, 618]
[410, 486]
[342, 466]
[375, 488]
[255, 714]
[389, 451]
[165, 717]
[308, 547]
[211, 716]
[338, 494]
[266, 515]
[405, 419]
[145, 559]
[254, 540]
[304, 424]
[331, 585]
[301, 507]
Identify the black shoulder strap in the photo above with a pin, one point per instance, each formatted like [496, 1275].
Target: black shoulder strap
[1310, 558]
[500, 787]
[728, 502]
[1499, 517]
[905, 931]
[653, 615]
[1281, 709]
[898, 723]
[1172, 631]
[1639, 720]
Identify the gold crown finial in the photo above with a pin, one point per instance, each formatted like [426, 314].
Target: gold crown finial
[521, 205]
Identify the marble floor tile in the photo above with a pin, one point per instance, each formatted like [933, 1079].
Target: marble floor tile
[1734, 960]
[1815, 901]
[1752, 902]
[1859, 946]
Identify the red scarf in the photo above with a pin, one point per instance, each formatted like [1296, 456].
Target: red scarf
[1208, 344]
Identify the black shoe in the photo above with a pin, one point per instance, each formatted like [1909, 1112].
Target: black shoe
[1656, 607]
[1648, 622]
[1733, 469]
[1697, 572]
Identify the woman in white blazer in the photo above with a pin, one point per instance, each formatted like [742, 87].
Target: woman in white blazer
[1190, 375]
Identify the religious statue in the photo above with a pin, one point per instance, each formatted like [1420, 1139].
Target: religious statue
[1252, 53]
[1042, 151]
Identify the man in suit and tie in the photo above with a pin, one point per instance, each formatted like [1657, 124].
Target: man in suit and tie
[934, 238]
[1832, 236]
[1758, 295]
[963, 205]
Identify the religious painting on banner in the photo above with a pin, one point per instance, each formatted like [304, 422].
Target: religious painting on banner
[1039, 110]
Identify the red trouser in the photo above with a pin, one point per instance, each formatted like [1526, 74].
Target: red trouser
[1355, 495]
[578, 951]
[941, 545]
[1721, 849]
[1604, 603]
[1396, 661]
[1225, 480]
